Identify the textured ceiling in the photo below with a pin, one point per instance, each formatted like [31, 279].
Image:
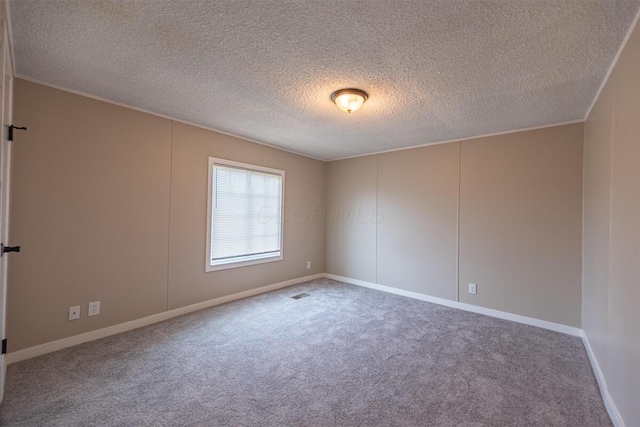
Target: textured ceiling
[265, 69]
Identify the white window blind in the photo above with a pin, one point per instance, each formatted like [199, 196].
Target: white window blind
[245, 214]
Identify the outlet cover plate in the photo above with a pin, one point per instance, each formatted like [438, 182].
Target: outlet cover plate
[94, 308]
[74, 312]
[473, 289]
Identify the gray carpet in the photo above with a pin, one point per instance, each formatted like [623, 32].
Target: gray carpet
[343, 356]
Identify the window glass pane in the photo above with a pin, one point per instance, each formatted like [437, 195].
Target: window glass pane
[246, 217]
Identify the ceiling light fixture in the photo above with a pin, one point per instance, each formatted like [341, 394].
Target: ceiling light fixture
[349, 100]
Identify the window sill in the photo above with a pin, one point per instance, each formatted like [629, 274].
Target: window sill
[242, 263]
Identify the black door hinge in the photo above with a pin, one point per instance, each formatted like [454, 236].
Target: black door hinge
[4, 346]
[11, 128]
[4, 249]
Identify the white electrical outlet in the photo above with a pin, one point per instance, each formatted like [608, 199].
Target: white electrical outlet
[74, 312]
[473, 289]
[94, 308]
[308, 265]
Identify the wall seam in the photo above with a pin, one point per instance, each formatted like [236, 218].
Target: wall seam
[377, 209]
[458, 224]
[170, 205]
[582, 226]
[610, 225]
[325, 205]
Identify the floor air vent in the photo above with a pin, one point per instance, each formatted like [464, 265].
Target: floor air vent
[300, 296]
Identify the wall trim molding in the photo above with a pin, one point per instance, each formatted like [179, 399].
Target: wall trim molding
[255, 141]
[38, 350]
[613, 63]
[163, 116]
[616, 419]
[557, 327]
[466, 138]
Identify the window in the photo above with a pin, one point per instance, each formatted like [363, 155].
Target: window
[244, 214]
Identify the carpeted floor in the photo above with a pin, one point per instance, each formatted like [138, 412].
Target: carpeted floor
[343, 356]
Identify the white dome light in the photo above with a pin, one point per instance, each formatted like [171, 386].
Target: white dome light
[349, 100]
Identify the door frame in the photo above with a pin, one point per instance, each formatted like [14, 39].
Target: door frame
[6, 115]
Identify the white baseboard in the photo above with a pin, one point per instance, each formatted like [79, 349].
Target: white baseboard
[606, 397]
[616, 419]
[38, 350]
[570, 330]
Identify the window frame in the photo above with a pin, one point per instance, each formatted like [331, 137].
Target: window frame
[213, 161]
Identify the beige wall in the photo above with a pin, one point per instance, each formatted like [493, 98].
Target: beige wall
[351, 218]
[611, 289]
[417, 230]
[304, 219]
[90, 209]
[519, 212]
[520, 223]
[109, 204]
